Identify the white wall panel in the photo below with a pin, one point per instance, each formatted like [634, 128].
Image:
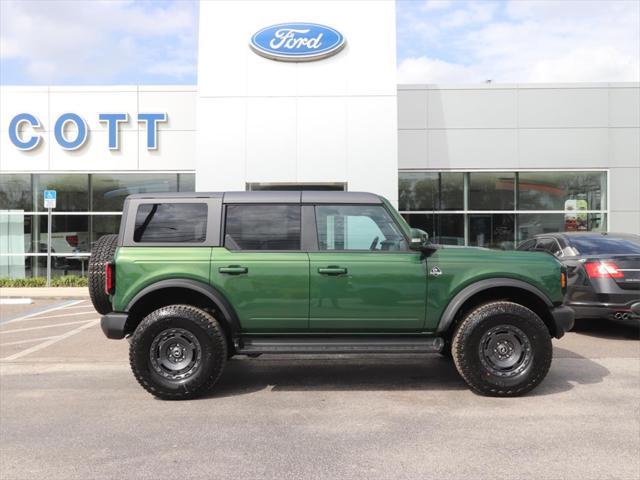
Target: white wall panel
[270, 139]
[624, 147]
[95, 153]
[412, 149]
[371, 144]
[180, 107]
[563, 107]
[486, 108]
[412, 109]
[88, 104]
[14, 100]
[564, 148]
[321, 145]
[624, 110]
[625, 189]
[176, 151]
[220, 155]
[628, 222]
[13, 159]
[485, 148]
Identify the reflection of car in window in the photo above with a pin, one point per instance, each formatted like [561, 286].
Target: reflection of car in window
[193, 279]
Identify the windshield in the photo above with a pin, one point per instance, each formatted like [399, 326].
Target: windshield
[603, 245]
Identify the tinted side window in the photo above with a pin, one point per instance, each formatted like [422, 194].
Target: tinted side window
[361, 227]
[171, 223]
[550, 245]
[528, 245]
[262, 227]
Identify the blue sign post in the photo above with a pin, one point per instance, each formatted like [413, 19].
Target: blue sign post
[50, 197]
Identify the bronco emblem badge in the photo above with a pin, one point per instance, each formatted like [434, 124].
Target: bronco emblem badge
[435, 271]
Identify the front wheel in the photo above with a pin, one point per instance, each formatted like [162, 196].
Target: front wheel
[502, 349]
[178, 352]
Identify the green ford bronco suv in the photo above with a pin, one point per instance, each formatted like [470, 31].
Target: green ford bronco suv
[193, 279]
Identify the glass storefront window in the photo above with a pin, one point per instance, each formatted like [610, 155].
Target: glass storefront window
[103, 225]
[491, 191]
[15, 192]
[431, 191]
[110, 190]
[443, 229]
[492, 231]
[531, 224]
[561, 190]
[72, 191]
[186, 182]
[69, 234]
[451, 191]
[418, 191]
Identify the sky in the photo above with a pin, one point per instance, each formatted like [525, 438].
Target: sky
[81, 42]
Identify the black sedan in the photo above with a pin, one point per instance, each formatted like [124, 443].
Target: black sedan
[603, 271]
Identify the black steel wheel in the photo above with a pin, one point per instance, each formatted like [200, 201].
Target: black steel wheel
[178, 352]
[502, 349]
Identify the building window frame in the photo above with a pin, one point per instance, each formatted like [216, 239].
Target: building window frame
[516, 211]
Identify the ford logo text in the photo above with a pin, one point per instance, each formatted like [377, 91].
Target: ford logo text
[297, 42]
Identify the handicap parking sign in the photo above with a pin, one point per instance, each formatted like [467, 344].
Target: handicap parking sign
[50, 199]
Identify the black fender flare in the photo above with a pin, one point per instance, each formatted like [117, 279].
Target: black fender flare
[230, 317]
[462, 296]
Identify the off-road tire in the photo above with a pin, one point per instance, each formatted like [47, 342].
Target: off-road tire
[472, 363]
[212, 355]
[102, 253]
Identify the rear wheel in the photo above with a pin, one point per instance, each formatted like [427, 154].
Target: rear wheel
[502, 349]
[178, 352]
[102, 253]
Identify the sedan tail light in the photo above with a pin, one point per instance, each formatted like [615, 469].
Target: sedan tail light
[72, 240]
[603, 270]
[109, 278]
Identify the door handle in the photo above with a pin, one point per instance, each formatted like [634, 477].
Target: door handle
[332, 271]
[233, 270]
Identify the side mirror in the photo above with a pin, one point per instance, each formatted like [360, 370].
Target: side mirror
[419, 240]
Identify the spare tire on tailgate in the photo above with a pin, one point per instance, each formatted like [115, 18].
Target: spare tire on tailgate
[102, 253]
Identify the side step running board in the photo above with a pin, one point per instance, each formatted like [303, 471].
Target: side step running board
[251, 345]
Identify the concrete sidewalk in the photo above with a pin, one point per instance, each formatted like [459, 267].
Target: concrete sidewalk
[53, 292]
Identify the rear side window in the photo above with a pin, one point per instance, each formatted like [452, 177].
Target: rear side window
[604, 245]
[550, 245]
[262, 227]
[171, 223]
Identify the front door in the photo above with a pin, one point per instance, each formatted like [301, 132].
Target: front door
[363, 276]
[261, 268]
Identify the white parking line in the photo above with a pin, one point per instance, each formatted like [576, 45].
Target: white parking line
[40, 312]
[53, 316]
[47, 343]
[31, 340]
[78, 306]
[16, 330]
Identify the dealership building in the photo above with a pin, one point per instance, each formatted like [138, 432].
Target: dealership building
[316, 105]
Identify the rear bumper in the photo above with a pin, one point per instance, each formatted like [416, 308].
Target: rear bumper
[113, 325]
[629, 311]
[563, 318]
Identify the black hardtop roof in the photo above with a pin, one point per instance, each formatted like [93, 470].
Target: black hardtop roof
[271, 196]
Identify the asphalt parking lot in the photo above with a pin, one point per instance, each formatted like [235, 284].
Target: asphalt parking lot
[70, 409]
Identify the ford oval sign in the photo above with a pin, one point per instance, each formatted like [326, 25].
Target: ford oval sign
[297, 42]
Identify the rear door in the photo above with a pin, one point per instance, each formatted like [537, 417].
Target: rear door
[363, 277]
[261, 268]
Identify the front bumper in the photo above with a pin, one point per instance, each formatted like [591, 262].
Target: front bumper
[114, 324]
[563, 319]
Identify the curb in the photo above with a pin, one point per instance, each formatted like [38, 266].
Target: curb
[37, 292]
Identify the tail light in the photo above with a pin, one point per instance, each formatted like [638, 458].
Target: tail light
[72, 240]
[109, 278]
[603, 270]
